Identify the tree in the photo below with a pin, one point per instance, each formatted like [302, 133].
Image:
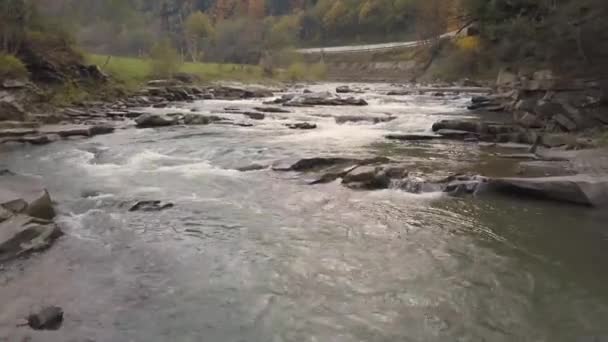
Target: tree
[198, 27]
[13, 20]
[165, 59]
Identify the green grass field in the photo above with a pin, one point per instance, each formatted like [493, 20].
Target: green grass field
[132, 70]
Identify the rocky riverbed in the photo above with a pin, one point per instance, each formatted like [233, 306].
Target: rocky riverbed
[367, 211]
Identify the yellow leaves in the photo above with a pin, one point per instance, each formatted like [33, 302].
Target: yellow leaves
[198, 25]
[336, 14]
[469, 43]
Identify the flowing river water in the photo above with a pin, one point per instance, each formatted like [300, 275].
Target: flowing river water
[262, 256]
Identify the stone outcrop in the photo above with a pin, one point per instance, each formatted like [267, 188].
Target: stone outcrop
[25, 195]
[577, 189]
[12, 111]
[26, 213]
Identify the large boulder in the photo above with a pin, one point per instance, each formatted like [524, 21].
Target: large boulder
[11, 111]
[22, 234]
[155, 120]
[578, 189]
[25, 195]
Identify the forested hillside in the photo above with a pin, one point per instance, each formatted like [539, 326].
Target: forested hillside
[234, 30]
[566, 33]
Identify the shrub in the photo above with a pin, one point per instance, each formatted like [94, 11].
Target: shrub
[12, 67]
[318, 71]
[165, 59]
[296, 72]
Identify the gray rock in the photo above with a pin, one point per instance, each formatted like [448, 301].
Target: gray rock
[49, 318]
[556, 140]
[26, 195]
[252, 167]
[12, 111]
[271, 110]
[527, 120]
[319, 99]
[359, 118]
[455, 134]
[154, 120]
[311, 164]
[254, 115]
[578, 189]
[17, 132]
[366, 178]
[22, 234]
[195, 119]
[565, 122]
[151, 206]
[13, 84]
[506, 78]
[346, 89]
[225, 92]
[458, 125]
[545, 169]
[361, 174]
[100, 130]
[66, 131]
[302, 125]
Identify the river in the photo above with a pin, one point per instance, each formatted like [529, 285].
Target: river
[262, 256]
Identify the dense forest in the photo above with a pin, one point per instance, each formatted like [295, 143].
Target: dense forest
[233, 30]
[243, 31]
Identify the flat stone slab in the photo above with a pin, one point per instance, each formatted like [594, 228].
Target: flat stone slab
[578, 189]
[545, 168]
[16, 132]
[65, 131]
[23, 234]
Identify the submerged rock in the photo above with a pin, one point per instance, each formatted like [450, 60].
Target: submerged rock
[49, 318]
[252, 167]
[358, 118]
[301, 125]
[271, 110]
[254, 115]
[311, 164]
[151, 206]
[413, 137]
